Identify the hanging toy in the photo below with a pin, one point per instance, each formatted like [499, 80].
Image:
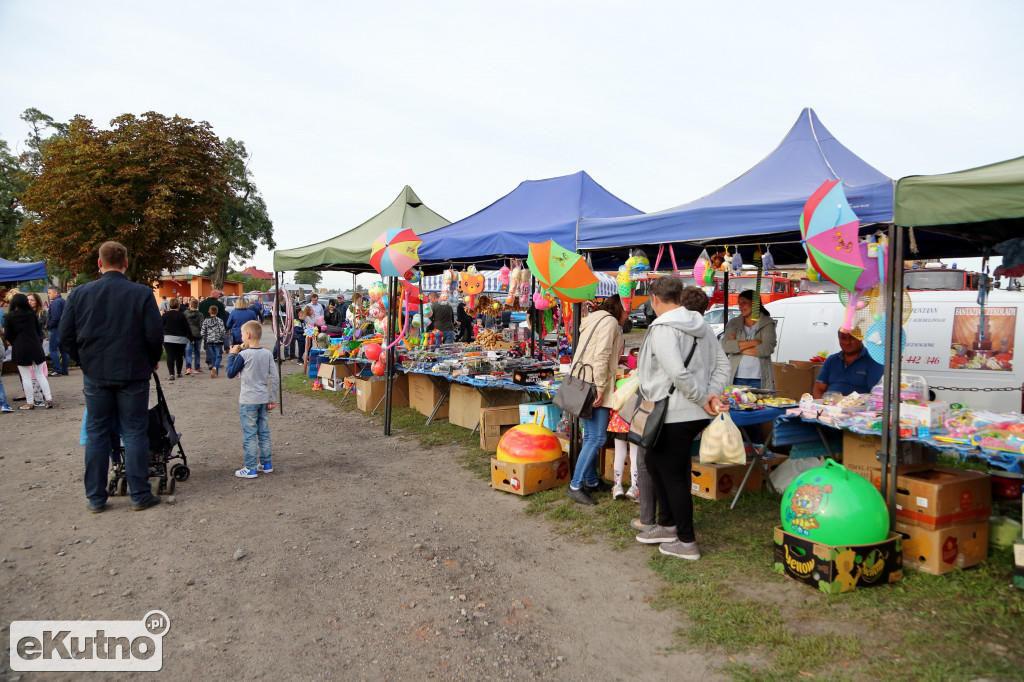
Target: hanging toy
[703, 271]
[724, 260]
[503, 278]
[446, 284]
[625, 284]
[812, 274]
[414, 275]
[637, 263]
[539, 302]
[767, 262]
[524, 287]
[513, 283]
[471, 283]
[376, 291]
[737, 262]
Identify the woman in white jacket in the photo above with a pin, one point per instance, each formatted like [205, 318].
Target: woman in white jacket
[693, 397]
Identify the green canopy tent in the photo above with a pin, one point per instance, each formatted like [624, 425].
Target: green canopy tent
[982, 206]
[350, 252]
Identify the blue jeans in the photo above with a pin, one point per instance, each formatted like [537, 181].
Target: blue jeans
[192, 350]
[595, 432]
[61, 360]
[752, 383]
[448, 337]
[3, 394]
[255, 434]
[105, 402]
[214, 351]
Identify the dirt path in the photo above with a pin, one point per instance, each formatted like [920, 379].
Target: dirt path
[365, 557]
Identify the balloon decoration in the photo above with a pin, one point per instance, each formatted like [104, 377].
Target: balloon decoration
[378, 367]
[372, 351]
[376, 291]
[395, 252]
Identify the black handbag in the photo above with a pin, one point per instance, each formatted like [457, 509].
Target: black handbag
[646, 417]
[576, 395]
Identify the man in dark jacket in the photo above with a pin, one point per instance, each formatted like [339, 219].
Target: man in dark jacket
[58, 355]
[113, 329]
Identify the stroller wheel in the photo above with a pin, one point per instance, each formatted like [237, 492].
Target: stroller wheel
[180, 472]
[170, 486]
[112, 488]
[124, 486]
[161, 488]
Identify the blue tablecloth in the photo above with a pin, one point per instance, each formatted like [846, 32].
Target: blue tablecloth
[760, 416]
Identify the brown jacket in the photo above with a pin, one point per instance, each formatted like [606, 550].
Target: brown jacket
[602, 351]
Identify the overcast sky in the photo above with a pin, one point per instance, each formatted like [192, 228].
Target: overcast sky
[343, 103]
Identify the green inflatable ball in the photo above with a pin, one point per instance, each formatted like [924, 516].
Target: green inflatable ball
[832, 505]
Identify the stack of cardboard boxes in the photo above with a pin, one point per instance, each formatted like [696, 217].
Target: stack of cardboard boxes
[941, 513]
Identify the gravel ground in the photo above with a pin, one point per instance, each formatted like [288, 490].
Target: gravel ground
[360, 557]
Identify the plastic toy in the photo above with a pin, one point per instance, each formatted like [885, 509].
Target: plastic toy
[832, 505]
[376, 291]
[471, 283]
[372, 351]
[378, 367]
[529, 443]
[504, 277]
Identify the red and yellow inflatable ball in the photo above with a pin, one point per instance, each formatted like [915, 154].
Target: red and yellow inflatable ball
[529, 443]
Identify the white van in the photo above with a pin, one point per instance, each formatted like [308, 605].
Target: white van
[943, 342]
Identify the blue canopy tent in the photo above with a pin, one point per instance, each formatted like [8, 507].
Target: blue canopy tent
[535, 211]
[764, 202]
[21, 272]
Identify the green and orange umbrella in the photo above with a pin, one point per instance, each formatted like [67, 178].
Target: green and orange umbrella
[562, 272]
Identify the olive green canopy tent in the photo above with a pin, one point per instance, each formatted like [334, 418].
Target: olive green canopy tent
[983, 206]
[350, 251]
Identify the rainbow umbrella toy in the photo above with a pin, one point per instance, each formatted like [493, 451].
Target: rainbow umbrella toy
[829, 228]
[395, 252]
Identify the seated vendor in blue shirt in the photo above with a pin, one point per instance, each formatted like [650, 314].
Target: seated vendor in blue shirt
[849, 370]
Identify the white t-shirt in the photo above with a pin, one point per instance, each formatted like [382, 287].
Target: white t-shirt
[750, 365]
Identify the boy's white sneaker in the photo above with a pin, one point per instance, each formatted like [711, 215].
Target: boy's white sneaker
[265, 468]
[245, 473]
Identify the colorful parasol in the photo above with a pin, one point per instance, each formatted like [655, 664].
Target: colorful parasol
[561, 271]
[829, 228]
[395, 251]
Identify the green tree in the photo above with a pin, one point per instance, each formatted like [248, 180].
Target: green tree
[44, 131]
[308, 277]
[242, 223]
[153, 183]
[13, 183]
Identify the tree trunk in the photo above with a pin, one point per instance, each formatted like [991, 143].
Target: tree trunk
[220, 273]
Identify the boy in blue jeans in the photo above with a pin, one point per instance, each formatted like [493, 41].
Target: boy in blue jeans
[256, 398]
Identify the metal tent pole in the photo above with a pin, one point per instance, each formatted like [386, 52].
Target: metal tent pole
[895, 363]
[390, 358]
[278, 328]
[574, 421]
[725, 285]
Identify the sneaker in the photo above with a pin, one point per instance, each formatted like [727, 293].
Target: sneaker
[54, 374]
[172, 377]
[188, 372]
[639, 526]
[179, 376]
[580, 496]
[617, 492]
[213, 374]
[657, 535]
[246, 473]
[267, 468]
[49, 404]
[680, 549]
[6, 408]
[151, 502]
[601, 487]
[27, 407]
[97, 508]
[633, 494]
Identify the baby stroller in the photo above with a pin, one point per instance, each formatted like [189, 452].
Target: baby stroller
[163, 440]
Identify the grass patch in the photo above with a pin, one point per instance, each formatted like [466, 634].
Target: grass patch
[961, 626]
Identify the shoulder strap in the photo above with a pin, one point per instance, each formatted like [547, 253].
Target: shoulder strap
[584, 346]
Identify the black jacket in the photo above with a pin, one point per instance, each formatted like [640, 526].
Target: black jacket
[175, 324]
[112, 327]
[24, 332]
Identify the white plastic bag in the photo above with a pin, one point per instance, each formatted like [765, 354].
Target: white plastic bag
[722, 442]
[624, 392]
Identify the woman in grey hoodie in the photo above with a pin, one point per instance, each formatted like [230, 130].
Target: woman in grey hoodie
[693, 390]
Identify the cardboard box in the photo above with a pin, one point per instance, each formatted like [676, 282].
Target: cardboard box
[793, 379]
[332, 375]
[369, 393]
[835, 569]
[860, 455]
[494, 422]
[940, 551]
[719, 481]
[929, 414]
[551, 413]
[941, 497]
[524, 478]
[423, 395]
[608, 466]
[466, 403]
